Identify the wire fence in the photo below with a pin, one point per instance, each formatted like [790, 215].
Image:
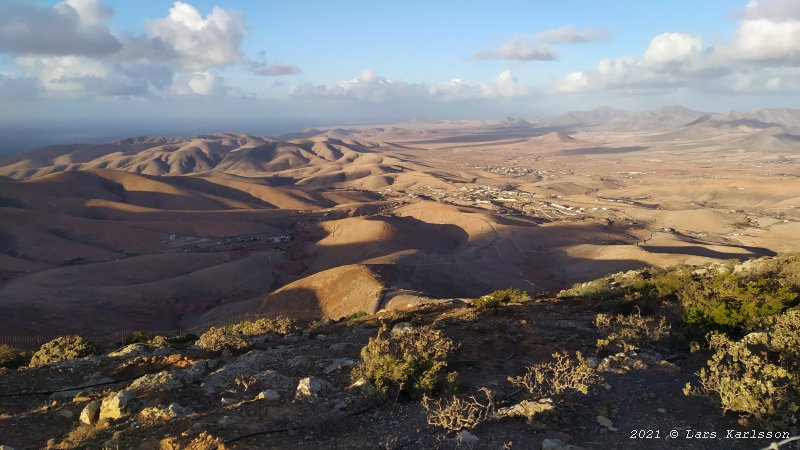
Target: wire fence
[26, 342]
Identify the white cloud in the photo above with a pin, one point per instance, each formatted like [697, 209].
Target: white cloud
[522, 49]
[673, 50]
[200, 43]
[371, 87]
[775, 10]
[72, 27]
[85, 75]
[569, 35]
[70, 50]
[505, 85]
[765, 40]
[203, 84]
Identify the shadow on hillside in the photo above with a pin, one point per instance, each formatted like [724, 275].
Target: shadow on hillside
[601, 150]
[693, 250]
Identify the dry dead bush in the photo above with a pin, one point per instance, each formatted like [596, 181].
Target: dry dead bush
[558, 378]
[629, 332]
[459, 413]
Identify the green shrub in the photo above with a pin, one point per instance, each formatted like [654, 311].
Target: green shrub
[62, 349]
[730, 302]
[10, 357]
[782, 336]
[357, 315]
[495, 299]
[488, 302]
[135, 337]
[219, 339]
[411, 360]
[589, 289]
[741, 377]
[279, 325]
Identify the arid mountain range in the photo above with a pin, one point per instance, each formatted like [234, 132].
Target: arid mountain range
[162, 233]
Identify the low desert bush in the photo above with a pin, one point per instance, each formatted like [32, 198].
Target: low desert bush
[495, 299]
[459, 413]
[219, 339]
[782, 335]
[62, 349]
[624, 333]
[743, 377]
[160, 341]
[135, 337]
[589, 289]
[411, 361]
[10, 357]
[279, 325]
[357, 315]
[559, 378]
[731, 302]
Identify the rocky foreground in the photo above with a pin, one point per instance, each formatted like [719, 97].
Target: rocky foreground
[297, 390]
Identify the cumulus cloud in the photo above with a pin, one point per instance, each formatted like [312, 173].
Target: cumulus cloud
[371, 87]
[368, 86]
[569, 35]
[198, 42]
[521, 49]
[775, 10]
[81, 74]
[72, 27]
[673, 50]
[204, 84]
[70, 49]
[505, 85]
[762, 56]
[766, 40]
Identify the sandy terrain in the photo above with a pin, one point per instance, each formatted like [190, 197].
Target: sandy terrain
[164, 233]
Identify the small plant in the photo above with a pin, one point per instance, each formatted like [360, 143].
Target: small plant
[459, 413]
[159, 341]
[410, 361]
[10, 357]
[281, 325]
[739, 377]
[589, 289]
[488, 302]
[495, 299]
[245, 382]
[219, 339]
[629, 332]
[135, 337]
[561, 377]
[62, 349]
[357, 315]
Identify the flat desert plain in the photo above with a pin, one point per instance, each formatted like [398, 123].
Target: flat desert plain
[165, 233]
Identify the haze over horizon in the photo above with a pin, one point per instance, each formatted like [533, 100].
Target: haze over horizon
[91, 70]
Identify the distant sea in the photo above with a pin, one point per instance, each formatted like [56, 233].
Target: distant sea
[23, 138]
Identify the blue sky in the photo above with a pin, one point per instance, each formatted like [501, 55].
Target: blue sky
[94, 69]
